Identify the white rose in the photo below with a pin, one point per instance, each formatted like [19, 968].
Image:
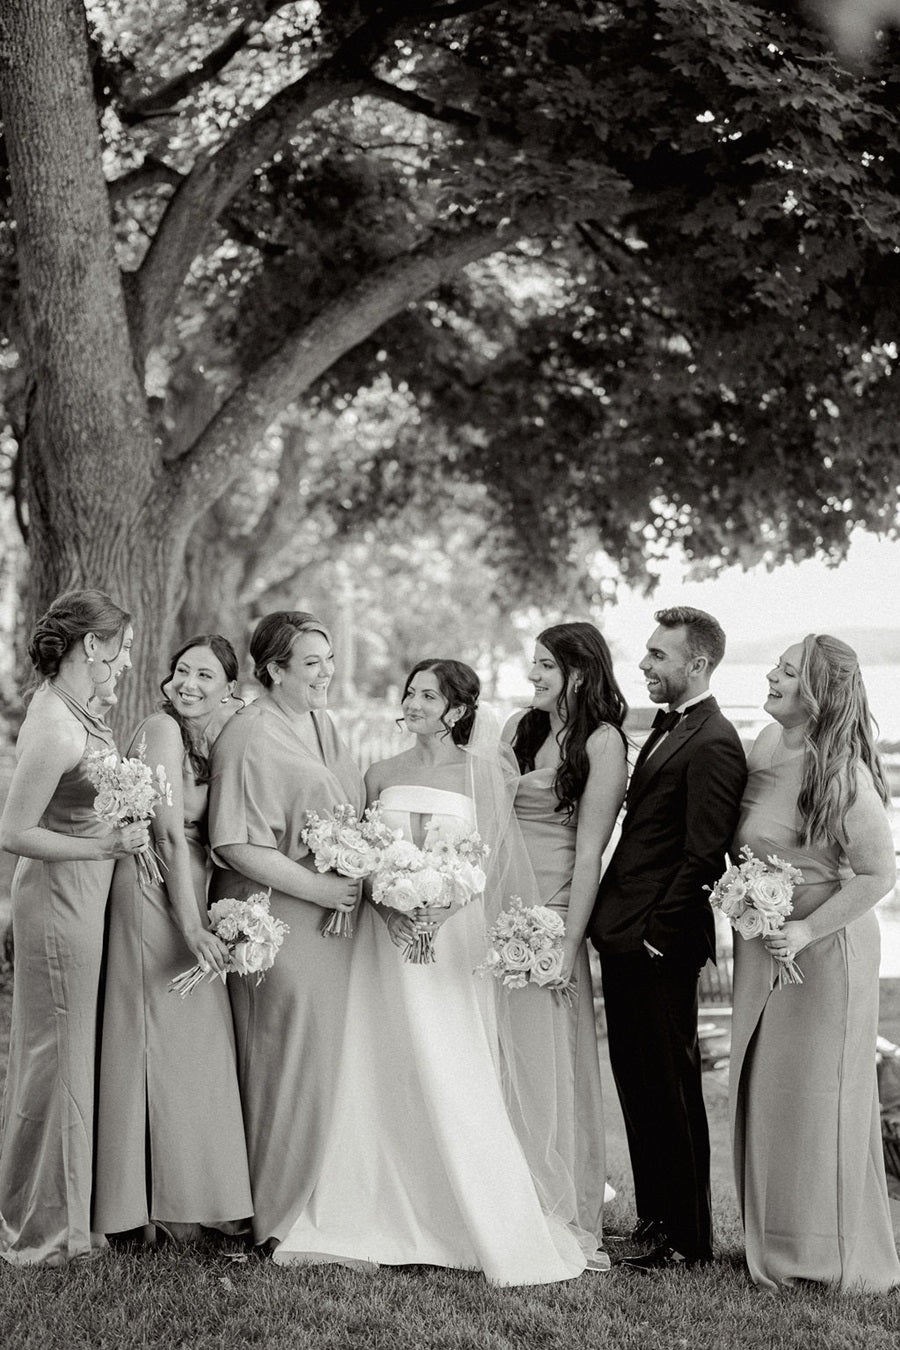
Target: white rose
[546, 920]
[516, 955]
[751, 924]
[352, 861]
[252, 957]
[400, 893]
[770, 895]
[547, 968]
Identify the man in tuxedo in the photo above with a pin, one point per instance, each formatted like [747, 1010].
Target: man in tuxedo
[653, 927]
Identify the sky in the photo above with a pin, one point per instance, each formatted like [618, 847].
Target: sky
[799, 598]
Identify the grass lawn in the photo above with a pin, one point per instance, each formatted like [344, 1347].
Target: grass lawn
[210, 1295]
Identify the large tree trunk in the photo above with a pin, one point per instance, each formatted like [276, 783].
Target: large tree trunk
[96, 497]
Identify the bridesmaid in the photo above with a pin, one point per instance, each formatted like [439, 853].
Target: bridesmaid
[170, 1145]
[571, 751]
[58, 905]
[278, 759]
[806, 1126]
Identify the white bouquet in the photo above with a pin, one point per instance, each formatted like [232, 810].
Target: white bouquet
[351, 847]
[526, 947]
[128, 791]
[251, 934]
[446, 870]
[756, 899]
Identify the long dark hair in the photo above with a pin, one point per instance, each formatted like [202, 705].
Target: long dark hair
[578, 649]
[225, 654]
[459, 685]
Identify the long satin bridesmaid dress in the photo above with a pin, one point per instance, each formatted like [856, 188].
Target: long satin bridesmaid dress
[808, 1157]
[562, 1105]
[170, 1132]
[58, 911]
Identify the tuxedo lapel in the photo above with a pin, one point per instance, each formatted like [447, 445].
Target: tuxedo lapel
[673, 744]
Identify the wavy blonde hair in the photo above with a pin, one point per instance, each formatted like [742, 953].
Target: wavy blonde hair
[839, 738]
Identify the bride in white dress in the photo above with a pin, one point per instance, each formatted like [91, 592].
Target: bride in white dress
[423, 1165]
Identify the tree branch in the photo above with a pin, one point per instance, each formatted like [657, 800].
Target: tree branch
[172, 91]
[278, 523]
[343, 324]
[152, 173]
[217, 178]
[461, 118]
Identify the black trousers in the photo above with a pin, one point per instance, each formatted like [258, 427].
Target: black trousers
[651, 1022]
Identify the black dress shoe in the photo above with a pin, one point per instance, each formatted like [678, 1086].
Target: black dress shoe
[661, 1258]
[649, 1232]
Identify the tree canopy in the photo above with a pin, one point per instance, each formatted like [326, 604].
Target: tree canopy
[628, 270]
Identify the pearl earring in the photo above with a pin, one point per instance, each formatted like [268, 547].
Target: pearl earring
[225, 699]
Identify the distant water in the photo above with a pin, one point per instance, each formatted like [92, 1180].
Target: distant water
[744, 687]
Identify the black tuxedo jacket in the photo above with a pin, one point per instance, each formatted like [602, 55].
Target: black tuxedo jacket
[681, 812]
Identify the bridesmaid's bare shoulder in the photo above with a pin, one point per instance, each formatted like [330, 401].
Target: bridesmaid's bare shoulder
[51, 728]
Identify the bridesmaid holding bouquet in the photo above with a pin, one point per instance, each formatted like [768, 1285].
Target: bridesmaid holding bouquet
[168, 1073]
[277, 760]
[59, 896]
[571, 750]
[806, 1126]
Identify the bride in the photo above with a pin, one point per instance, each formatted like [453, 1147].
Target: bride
[423, 1166]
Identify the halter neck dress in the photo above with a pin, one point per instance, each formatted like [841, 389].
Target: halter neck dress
[58, 911]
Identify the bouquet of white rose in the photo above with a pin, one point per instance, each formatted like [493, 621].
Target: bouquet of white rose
[755, 897]
[129, 791]
[526, 947]
[251, 934]
[351, 847]
[445, 870]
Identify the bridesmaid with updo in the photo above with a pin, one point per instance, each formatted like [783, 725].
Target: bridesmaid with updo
[169, 1109]
[59, 891]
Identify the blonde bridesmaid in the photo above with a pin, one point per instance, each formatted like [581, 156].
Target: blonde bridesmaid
[806, 1125]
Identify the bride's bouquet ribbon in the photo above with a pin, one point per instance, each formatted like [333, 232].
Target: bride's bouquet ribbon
[251, 934]
[351, 847]
[756, 899]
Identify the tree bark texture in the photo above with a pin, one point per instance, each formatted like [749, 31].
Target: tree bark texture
[95, 499]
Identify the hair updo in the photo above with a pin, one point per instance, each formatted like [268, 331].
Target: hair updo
[69, 619]
[461, 688]
[274, 636]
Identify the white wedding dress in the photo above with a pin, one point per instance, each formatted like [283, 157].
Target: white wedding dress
[423, 1166]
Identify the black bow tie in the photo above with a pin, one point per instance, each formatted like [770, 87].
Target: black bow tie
[665, 721]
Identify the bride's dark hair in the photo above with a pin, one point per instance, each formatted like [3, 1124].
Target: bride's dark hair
[459, 685]
[594, 698]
